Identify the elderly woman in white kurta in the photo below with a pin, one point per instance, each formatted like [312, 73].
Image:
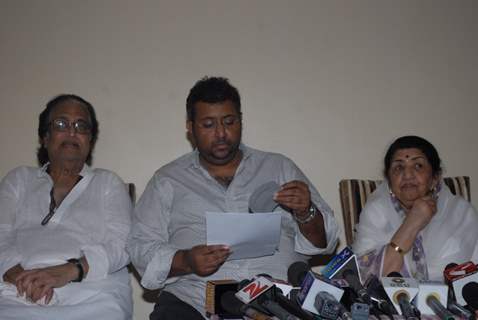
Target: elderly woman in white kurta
[412, 223]
[63, 226]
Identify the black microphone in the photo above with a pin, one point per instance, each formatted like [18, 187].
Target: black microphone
[403, 299]
[277, 310]
[353, 280]
[452, 304]
[291, 306]
[438, 308]
[234, 306]
[297, 272]
[470, 294]
[379, 297]
[327, 306]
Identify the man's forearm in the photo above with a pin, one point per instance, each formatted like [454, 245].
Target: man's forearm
[180, 265]
[314, 230]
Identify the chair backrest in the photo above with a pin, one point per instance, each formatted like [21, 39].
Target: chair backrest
[354, 194]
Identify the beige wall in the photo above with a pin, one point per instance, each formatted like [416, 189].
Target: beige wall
[328, 83]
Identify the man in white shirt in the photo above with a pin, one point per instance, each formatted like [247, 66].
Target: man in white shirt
[167, 243]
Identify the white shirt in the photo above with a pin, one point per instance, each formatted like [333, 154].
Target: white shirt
[171, 215]
[92, 221]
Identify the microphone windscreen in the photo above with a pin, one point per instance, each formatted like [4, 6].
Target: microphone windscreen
[296, 273]
[470, 294]
[450, 265]
[394, 274]
[231, 303]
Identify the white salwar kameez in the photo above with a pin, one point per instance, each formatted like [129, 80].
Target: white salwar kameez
[92, 221]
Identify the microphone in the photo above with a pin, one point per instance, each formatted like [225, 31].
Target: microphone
[470, 295]
[297, 272]
[354, 282]
[432, 296]
[344, 260]
[235, 307]
[435, 304]
[279, 295]
[214, 291]
[449, 273]
[327, 306]
[459, 276]
[311, 286]
[277, 310]
[460, 311]
[265, 296]
[361, 311]
[401, 291]
[455, 271]
[379, 296]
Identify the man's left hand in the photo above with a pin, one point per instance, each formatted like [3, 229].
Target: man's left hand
[294, 195]
[39, 283]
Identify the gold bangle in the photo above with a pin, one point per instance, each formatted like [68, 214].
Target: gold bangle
[396, 248]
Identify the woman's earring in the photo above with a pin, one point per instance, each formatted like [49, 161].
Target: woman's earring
[434, 193]
[391, 193]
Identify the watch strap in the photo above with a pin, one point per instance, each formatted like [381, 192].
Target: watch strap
[79, 266]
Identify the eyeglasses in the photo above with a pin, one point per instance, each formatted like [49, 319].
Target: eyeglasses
[226, 122]
[63, 125]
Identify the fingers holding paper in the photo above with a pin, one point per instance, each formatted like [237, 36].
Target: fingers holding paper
[205, 260]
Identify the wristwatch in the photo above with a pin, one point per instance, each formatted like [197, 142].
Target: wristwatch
[312, 212]
[78, 265]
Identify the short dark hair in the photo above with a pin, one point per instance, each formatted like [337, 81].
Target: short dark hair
[212, 90]
[44, 124]
[407, 142]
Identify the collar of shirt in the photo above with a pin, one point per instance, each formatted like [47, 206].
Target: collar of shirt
[43, 170]
[246, 153]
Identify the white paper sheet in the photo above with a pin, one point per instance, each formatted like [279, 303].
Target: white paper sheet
[248, 235]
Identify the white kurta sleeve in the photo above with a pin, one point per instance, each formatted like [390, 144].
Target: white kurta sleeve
[148, 244]
[9, 197]
[110, 255]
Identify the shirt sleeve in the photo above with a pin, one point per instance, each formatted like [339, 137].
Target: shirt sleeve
[148, 243]
[302, 244]
[9, 197]
[110, 255]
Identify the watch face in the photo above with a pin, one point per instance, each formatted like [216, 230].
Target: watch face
[262, 200]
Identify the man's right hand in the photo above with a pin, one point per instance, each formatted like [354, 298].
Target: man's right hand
[204, 260]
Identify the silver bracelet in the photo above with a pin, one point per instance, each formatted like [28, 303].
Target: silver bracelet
[312, 213]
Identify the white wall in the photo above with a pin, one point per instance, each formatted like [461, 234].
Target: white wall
[328, 83]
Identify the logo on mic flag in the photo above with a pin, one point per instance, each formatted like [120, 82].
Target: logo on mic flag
[254, 289]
